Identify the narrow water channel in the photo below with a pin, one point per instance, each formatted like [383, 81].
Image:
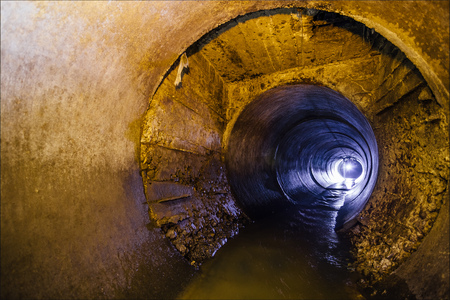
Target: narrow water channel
[295, 254]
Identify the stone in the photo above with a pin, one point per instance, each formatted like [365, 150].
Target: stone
[167, 191]
[171, 234]
[425, 95]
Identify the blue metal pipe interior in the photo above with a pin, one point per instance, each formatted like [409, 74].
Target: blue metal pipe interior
[304, 146]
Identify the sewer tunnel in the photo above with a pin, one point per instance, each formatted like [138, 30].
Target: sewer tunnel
[288, 115]
[77, 77]
[303, 140]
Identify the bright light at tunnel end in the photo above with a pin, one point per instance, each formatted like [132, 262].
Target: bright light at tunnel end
[347, 170]
[349, 167]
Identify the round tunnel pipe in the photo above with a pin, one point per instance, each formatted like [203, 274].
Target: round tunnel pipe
[279, 150]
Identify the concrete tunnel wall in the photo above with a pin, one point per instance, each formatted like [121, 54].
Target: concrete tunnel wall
[75, 82]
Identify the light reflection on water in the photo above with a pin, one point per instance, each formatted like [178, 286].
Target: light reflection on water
[295, 254]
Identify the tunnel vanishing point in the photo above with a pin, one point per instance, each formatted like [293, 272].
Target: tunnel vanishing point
[137, 138]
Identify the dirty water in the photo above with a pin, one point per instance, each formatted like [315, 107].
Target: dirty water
[295, 254]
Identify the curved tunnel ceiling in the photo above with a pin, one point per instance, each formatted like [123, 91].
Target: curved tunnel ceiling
[270, 41]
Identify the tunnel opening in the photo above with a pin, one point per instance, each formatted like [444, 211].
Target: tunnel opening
[302, 162]
[201, 193]
[350, 168]
[306, 141]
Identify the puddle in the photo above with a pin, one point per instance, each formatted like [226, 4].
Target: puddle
[292, 255]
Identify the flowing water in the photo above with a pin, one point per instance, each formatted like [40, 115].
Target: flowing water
[295, 254]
